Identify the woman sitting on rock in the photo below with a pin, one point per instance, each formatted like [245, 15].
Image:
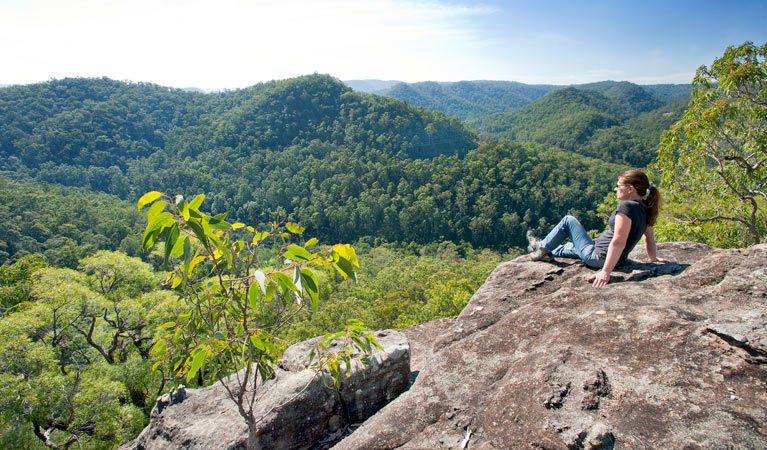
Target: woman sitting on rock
[635, 216]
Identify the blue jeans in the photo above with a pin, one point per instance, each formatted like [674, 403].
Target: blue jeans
[581, 246]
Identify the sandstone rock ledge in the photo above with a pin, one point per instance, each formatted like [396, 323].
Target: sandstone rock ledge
[667, 356]
[297, 407]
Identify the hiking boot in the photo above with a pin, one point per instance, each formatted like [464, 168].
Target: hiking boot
[534, 242]
[541, 254]
[537, 252]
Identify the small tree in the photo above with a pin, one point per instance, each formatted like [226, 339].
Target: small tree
[236, 306]
[713, 162]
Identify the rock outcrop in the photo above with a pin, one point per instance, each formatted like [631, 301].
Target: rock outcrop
[297, 407]
[668, 355]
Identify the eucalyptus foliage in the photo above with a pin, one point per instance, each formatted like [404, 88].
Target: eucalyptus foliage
[237, 301]
[713, 162]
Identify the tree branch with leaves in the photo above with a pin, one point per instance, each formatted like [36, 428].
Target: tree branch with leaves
[712, 161]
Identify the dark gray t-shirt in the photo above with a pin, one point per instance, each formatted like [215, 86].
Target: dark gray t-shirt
[638, 215]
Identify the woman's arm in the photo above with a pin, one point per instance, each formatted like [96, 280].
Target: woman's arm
[649, 244]
[614, 251]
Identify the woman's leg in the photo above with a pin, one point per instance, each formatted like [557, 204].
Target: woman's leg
[581, 245]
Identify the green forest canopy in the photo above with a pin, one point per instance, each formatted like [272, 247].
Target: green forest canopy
[344, 164]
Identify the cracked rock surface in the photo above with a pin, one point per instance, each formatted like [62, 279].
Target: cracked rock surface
[670, 355]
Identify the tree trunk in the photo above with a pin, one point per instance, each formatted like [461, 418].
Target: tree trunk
[253, 440]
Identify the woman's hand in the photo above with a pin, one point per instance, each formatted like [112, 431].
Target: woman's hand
[600, 278]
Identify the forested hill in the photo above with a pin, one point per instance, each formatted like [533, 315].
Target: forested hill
[617, 122]
[104, 123]
[346, 165]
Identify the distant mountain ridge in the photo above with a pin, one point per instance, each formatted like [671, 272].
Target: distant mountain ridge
[472, 99]
[616, 121]
[370, 86]
[468, 99]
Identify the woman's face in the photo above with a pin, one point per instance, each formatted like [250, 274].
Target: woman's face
[623, 190]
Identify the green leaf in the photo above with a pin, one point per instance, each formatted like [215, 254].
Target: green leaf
[155, 229]
[260, 236]
[178, 248]
[311, 243]
[298, 253]
[371, 339]
[199, 356]
[170, 240]
[159, 348]
[147, 198]
[311, 287]
[154, 210]
[331, 337]
[265, 371]
[253, 298]
[284, 281]
[217, 222]
[257, 342]
[294, 228]
[224, 250]
[270, 349]
[184, 210]
[347, 252]
[198, 229]
[195, 204]
[159, 221]
[345, 268]
[187, 249]
[166, 325]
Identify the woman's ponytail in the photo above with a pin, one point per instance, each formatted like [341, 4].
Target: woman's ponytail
[652, 203]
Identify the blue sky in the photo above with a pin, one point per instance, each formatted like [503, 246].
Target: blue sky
[237, 43]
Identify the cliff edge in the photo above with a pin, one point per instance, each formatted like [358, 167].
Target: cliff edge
[668, 355]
